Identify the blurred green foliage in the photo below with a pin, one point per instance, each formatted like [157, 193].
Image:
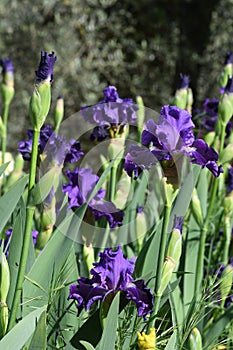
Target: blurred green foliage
[139, 46]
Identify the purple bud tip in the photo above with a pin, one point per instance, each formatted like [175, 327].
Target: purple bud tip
[178, 222]
[229, 58]
[7, 65]
[184, 81]
[45, 70]
[110, 94]
[229, 86]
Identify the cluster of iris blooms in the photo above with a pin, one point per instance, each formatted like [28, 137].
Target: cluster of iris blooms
[170, 136]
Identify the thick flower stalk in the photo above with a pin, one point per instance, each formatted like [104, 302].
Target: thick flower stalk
[113, 273]
[39, 107]
[7, 90]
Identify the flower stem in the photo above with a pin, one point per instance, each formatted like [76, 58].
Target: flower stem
[112, 183]
[204, 229]
[27, 234]
[4, 137]
[167, 211]
[227, 234]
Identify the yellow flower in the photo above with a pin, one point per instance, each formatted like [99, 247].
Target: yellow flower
[147, 341]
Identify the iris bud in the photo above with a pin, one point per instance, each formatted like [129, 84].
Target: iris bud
[196, 208]
[195, 340]
[174, 246]
[140, 112]
[4, 288]
[168, 268]
[225, 108]
[7, 86]
[58, 113]
[4, 277]
[226, 281]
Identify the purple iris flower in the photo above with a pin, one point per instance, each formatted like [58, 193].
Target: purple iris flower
[210, 116]
[81, 185]
[112, 110]
[7, 237]
[230, 180]
[55, 146]
[229, 58]
[171, 136]
[111, 274]
[229, 298]
[204, 155]
[25, 147]
[45, 70]
[184, 81]
[139, 159]
[229, 86]
[178, 222]
[7, 65]
[100, 133]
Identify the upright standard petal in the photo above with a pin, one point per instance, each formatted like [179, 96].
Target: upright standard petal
[45, 70]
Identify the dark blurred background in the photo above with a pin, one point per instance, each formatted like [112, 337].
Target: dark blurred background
[140, 46]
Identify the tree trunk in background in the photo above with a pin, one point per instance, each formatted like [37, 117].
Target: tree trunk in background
[194, 19]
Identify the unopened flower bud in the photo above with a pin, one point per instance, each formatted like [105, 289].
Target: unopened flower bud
[196, 208]
[41, 97]
[181, 95]
[225, 108]
[116, 149]
[141, 228]
[170, 192]
[228, 205]
[7, 86]
[88, 256]
[122, 191]
[226, 281]
[147, 341]
[180, 99]
[58, 113]
[4, 277]
[195, 340]
[227, 70]
[226, 155]
[3, 319]
[168, 268]
[140, 112]
[175, 246]
[210, 137]
[189, 100]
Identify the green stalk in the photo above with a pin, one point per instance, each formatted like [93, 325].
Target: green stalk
[167, 211]
[112, 183]
[27, 235]
[201, 251]
[4, 137]
[227, 235]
